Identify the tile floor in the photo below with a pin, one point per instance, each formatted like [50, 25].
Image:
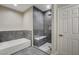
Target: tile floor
[30, 51]
[45, 47]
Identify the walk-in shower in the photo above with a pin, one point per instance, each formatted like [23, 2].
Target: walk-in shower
[42, 17]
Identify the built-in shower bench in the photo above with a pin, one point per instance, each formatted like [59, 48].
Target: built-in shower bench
[13, 46]
[40, 40]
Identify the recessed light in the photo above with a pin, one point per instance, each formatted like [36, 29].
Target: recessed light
[15, 4]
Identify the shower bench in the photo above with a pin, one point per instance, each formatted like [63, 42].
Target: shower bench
[40, 40]
[10, 47]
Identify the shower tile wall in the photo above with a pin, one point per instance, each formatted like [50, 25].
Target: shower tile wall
[38, 20]
[47, 25]
[38, 27]
[47, 22]
[13, 35]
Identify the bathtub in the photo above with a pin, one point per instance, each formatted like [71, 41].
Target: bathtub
[10, 47]
[40, 40]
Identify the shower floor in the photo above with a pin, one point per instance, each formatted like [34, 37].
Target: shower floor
[45, 47]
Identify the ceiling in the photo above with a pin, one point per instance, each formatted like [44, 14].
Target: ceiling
[43, 7]
[19, 7]
[24, 7]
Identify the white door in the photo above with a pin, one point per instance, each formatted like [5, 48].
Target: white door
[68, 42]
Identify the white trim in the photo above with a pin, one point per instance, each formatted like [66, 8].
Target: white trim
[32, 27]
[54, 32]
[57, 30]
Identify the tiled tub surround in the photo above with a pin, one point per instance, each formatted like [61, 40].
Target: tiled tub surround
[13, 35]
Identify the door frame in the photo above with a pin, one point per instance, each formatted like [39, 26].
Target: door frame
[54, 30]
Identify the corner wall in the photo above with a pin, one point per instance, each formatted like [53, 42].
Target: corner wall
[12, 21]
[28, 19]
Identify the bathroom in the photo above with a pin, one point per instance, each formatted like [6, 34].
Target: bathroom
[25, 29]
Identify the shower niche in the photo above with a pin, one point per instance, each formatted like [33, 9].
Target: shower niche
[42, 18]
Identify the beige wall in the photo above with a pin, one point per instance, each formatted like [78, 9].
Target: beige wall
[28, 19]
[12, 20]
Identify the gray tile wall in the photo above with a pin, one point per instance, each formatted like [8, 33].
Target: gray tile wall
[39, 32]
[13, 35]
[38, 22]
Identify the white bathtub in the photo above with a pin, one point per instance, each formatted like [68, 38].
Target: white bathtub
[13, 46]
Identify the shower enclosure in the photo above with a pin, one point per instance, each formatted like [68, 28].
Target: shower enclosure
[42, 28]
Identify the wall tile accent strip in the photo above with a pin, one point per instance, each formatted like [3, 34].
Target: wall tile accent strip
[13, 35]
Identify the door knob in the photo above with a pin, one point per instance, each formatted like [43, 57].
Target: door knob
[60, 35]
